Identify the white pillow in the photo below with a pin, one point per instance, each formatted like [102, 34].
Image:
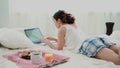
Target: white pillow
[14, 39]
[116, 36]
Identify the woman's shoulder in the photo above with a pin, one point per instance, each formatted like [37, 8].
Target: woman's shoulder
[62, 29]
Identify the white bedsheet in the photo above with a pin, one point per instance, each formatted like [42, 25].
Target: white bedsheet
[76, 60]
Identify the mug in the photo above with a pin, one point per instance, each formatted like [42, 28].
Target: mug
[35, 57]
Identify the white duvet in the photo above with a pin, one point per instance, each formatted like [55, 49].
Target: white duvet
[76, 60]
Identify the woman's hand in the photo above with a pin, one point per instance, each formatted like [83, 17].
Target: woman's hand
[44, 40]
[51, 38]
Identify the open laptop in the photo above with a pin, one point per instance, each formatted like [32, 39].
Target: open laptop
[34, 34]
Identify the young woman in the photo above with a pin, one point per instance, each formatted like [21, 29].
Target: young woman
[69, 36]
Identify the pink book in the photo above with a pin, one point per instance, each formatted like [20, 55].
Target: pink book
[23, 63]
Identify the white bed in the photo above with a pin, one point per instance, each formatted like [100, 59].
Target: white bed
[76, 60]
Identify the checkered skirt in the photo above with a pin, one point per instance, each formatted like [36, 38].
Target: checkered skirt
[91, 46]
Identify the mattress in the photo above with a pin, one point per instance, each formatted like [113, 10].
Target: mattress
[76, 60]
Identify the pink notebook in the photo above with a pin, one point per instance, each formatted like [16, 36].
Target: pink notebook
[23, 63]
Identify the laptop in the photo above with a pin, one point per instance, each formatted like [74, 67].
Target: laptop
[34, 34]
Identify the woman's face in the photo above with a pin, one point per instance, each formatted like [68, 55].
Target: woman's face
[58, 23]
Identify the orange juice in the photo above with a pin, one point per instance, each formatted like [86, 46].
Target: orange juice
[48, 56]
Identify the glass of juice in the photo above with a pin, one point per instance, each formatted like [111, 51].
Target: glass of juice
[48, 56]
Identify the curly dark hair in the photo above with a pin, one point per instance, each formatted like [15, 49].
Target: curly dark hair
[66, 18]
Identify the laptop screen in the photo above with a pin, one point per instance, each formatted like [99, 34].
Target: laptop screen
[34, 34]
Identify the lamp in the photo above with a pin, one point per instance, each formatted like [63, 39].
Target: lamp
[109, 27]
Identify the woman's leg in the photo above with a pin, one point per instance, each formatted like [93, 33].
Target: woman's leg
[110, 44]
[115, 48]
[108, 55]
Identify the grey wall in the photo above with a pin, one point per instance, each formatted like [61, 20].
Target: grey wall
[4, 12]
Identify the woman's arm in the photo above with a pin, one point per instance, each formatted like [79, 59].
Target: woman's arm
[61, 38]
[60, 41]
[52, 38]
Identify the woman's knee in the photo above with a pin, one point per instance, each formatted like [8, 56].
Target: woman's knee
[117, 61]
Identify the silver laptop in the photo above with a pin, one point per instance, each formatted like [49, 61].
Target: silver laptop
[34, 34]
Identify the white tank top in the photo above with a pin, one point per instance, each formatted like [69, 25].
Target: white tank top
[73, 38]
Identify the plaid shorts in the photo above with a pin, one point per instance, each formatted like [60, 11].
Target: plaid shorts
[91, 46]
